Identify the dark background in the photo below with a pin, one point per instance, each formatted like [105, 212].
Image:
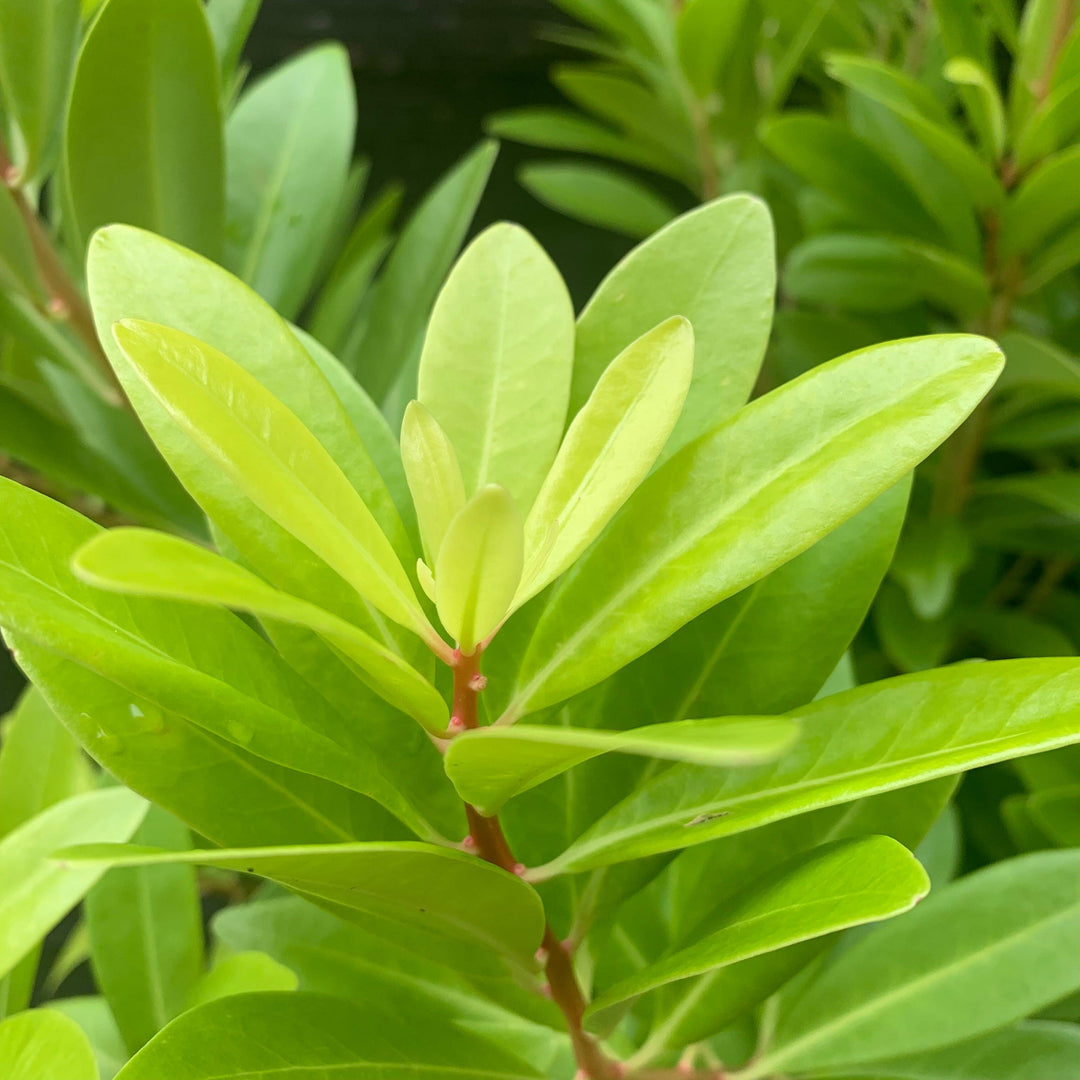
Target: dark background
[427, 73]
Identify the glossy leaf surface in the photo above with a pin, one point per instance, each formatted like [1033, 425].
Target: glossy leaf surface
[43, 1045]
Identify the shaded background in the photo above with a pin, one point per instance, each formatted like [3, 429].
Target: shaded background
[427, 73]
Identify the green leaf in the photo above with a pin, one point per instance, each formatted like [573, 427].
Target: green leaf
[1051, 125]
[1043, 204]
[242, 973]
[495, 370]
[755, 492]
[40, 763]
[294, 1036]
[43, 1045]
[38, 39]
[715, 267]
[831, 888]
[289, 142]
[429, 889]
[609, 449]
[168, 664]
[400, 303]
[982, 102]
[1036, 1050]
[143, 142]
[143, 563]
[18, 266]
[35, 893]
[707, 34]
[93, 1016]
[912, 728]
[479, 567]
[146, 937]
[984, 952]
[273, 459]
[493, 764]
[230, 23]
[1041, 34]
[1057, 813]
[598, 195]
[434, 475]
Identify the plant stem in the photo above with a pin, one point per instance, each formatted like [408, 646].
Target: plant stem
[66, 302]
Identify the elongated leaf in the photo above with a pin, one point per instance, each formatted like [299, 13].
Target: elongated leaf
[715, 267]
[273, 458]
[913, 728]
[752, 494]
[230, 23]
[984, 952]
[479, 566]
[834, 887]
[1045, 202]
[491, 765]
[146, 938]
[598, 195]
[242, 973]
[35, 893]
[38, 39]
[93, 1016]
[168, 661]
[1051, 125]
[707, 34]
[18, 269]
[143, 142]
[43, 1045]
[401, 301]
[302, 1035]
[431, 465]
[143, 563]
[40, 763]
[609, 449]
[982, 102]
[289, 142]
[429, 888]
[1036, 1050]
[495, 370]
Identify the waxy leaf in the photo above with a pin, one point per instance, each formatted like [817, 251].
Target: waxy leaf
[988, 950]
[273, 458]
[715, 267]
[146, 935]
[495, 370]
[303, 1036]
[609, 449]
[912, 728]
[421, 886]
[831, 888]
[144, 563]
[479, 566]
[288, 146]
[756, 491]
[491, 765]
[431, 466]
[143, 142]
[44, 1045]
[242, 973]
[35, 893]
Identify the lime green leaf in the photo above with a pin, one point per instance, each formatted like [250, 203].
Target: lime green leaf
[715, 267]
[986, 951]
[93, 1016]
[479, 566]
[144, 563]
[242, 973]
[294, 1036]
[831, 888]
[43, 1045]
[273, 458]
[431, 466]
[386, 353]
[609, 449]
[493, 764]
[166, 665]
[427, 888]
[982, 102]
[35, 893]
[143, 142]
[40, 763]
[913, 728]
[289, 143]
[230, 23]
[38, 39]
[495, 370]
[707, 33]
[755, 492]
[146, 936]
[598, 195]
